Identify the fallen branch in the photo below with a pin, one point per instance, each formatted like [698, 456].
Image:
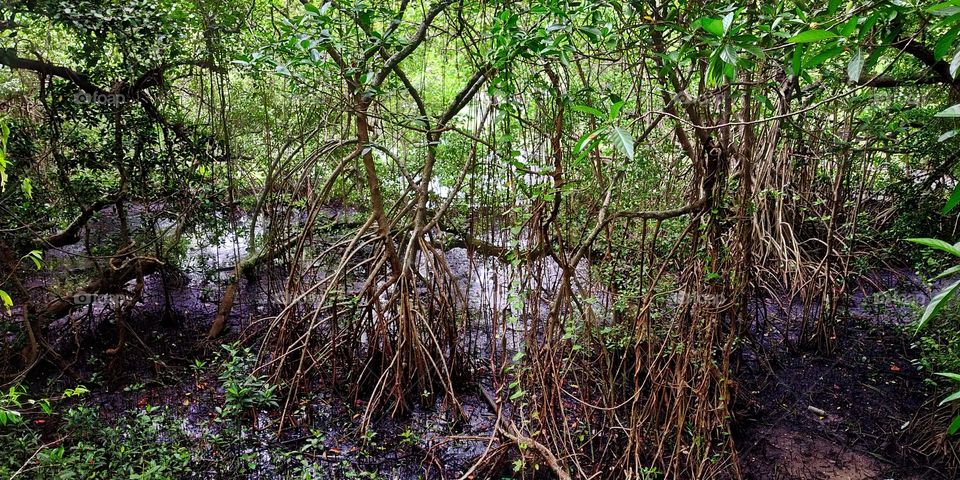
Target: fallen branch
[112, 280]
[71, 234]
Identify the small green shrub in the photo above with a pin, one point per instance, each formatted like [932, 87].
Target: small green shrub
[146, 444]
[244, 390]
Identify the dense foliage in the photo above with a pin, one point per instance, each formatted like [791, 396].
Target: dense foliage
[591, 217]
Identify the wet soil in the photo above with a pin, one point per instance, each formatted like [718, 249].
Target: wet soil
[841, 415]
[803, 416]
[810, 416]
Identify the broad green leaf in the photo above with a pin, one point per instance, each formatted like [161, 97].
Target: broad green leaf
[26, 186]
[729, 54]
[615, 109]
[874, 57]
[955, 64]
[945, 42]
[850, 26]
[587, 109]
[6, 300]
[950, 375]
[811, 36]
[715, 68]
[823, 56]
[9, 416]
[754, 50]
[868, 24]
[954, 425]
[586, 143]
[712, 25]
[622, 140]
[797, 62]
[949, 20]
[855, 67]
[937, 244]
[952, 112]
[954, 197]
[947, 136]
[35, 256]
[729, 71]
[937, 303]
[728, 21]
[952, 397]
[948, 272]
[945, 8]
[832, 6]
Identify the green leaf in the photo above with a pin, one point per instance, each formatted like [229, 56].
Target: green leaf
[586, 143]
[868, 24]
[587, 109]
[797, 62]
[855, 67]
[874, 57]
[937, 302]
[811, 36]
[712, 25]
[945, 42]
[754, 50]
[9, 416]
[955, 64]
[311, 8]
[832, 6]
[954, 197]
[622, 140]
[6, 300]
[948, 272]
[937, 244]
[615, 109]
[714, 69]
[850, 26]
[952, 397]
[952, 112]
[823, 56]
[26, 186]
[947, 135]
[949, 20]
[954, 425]
[35, 256]
[950, 375]
[945, 8]
[729, 54]
[728, 21]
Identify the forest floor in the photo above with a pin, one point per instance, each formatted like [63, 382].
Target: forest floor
[835, 416]
[840, 415]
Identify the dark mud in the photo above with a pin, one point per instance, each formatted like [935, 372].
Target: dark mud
[804, 416]
[842, 415]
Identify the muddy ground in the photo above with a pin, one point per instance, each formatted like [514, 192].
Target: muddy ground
[849, 414]
[809, 416]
